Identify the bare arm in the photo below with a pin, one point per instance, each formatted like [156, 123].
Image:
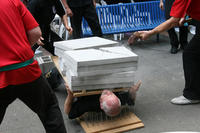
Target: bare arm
[94, 2]
[65, 22]
[68, 101]
[34, 35]
[68, 10]
[143, 35]
[165, 26]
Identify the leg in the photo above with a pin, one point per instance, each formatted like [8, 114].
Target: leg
[76, 20]
[191, 65]
[183, 36]
[173, 40]
[93, 21]
[7, 96]
[39, 97]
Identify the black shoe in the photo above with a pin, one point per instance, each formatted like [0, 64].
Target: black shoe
[174, 50]
[54, 78]
[183, 46]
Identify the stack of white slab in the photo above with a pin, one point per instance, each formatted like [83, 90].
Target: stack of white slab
[77, 44]
[83, 43]
[109, 67]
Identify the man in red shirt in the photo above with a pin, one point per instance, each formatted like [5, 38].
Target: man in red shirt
[191, 54]
[20, 74]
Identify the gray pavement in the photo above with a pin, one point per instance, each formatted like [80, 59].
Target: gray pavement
[162, 79]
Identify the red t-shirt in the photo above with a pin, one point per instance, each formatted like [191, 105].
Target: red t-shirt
[15, 21]
[189, 7]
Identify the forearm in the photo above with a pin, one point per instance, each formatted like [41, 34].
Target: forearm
[34, 35]
[68, 104]
[65, 20]
[94, 2]
[65, 4]
[170, 23]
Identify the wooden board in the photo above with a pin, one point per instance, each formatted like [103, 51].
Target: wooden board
[129, 121]
[95, 92]
[83, 92]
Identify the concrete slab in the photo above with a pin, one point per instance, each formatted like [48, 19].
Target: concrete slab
[84, 43]
[75, 82]
[103, 86]
[89, 57]
[101, 70]
[103, 61]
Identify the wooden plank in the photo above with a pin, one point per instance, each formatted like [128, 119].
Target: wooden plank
[95, 92]
[117, 124]
[125, 128]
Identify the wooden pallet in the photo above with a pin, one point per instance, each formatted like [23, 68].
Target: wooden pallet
[127, 122]
[83, 92]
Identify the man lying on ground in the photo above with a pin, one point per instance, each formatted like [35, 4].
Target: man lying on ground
[108, 102]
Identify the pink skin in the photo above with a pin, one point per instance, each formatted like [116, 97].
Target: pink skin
[111, 99]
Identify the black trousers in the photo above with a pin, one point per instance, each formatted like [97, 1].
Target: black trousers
[191, 65]
[183, 30]
[92, 104]
[40, 98]
[90, 15]
[183, 35]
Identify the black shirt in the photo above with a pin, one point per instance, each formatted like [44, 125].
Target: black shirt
[44, 10]
[79, 3]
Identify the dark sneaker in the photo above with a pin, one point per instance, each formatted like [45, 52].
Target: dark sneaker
[174, 50]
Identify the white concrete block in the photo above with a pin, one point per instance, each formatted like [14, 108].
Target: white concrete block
[98, 62]
[89, 57]
[102, 79]
[84, 43]
[102, 86]
[102, 69]
[59, 52]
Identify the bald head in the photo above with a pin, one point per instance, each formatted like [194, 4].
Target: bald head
[110, 103]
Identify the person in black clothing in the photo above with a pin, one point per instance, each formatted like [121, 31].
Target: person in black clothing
[44, 12]
[117, 1]
[183, 33]
[77, 9]
[98, 103]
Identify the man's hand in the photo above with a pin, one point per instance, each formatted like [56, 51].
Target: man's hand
[69, 92]
[183, 20]
[161, 5]
[39, 42]
[69, 12]
[69, 29]
[134, 37]
[143, 35]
